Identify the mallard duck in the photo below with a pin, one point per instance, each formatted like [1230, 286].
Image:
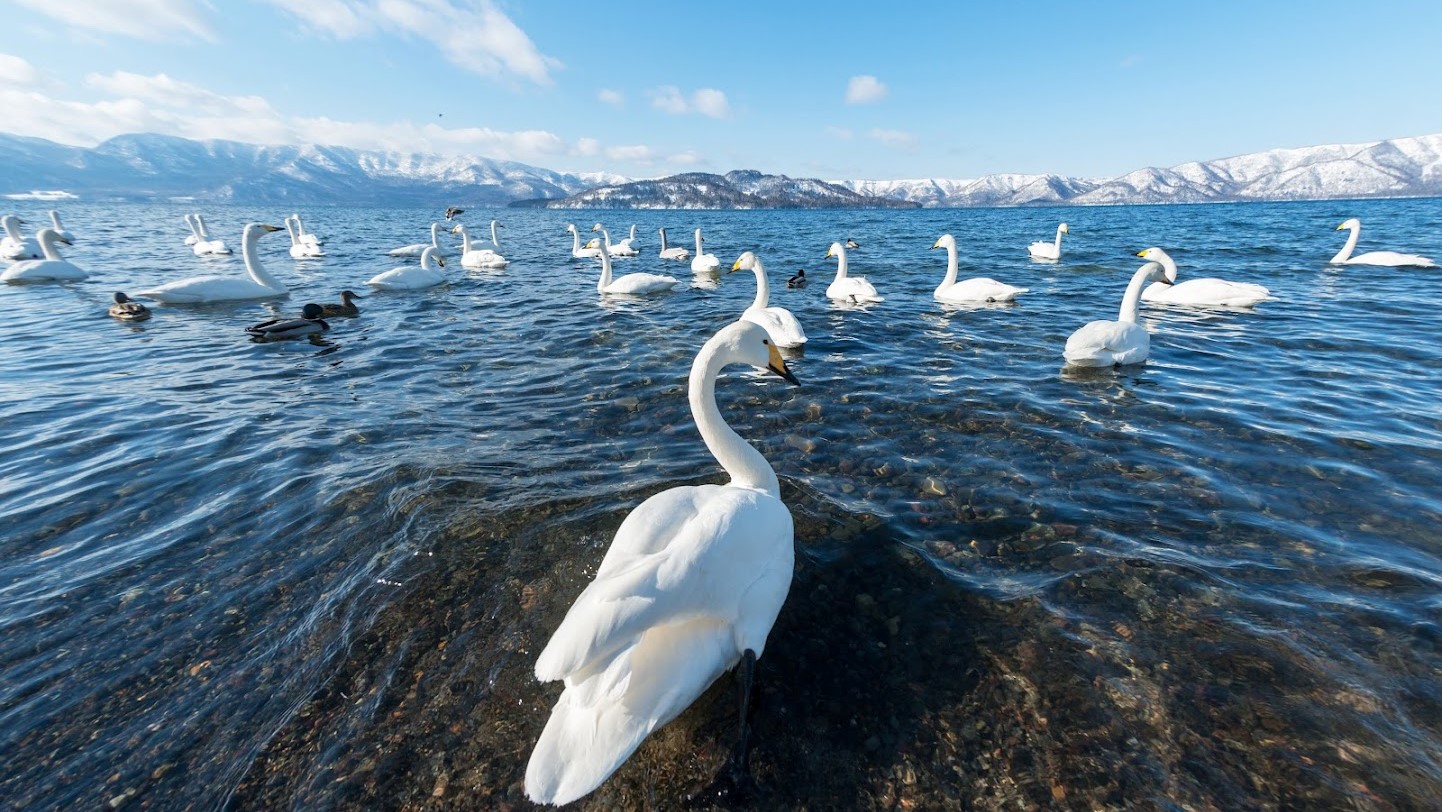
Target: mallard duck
[797, 281]
[128, 309]
[345, 308]
[310, 323]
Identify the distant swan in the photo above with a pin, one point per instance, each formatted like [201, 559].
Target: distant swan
[1047, 250]
[299, 249]
[260, 285]
[411, 277]
[15, 245]
[855, 289]
[619, 249]
[785, 330]
[576, 250]
[977, 289]
[194, 233]
[303, 235]
[1120, 342]
[347, 306]
[632, 283]
[204, 245]
[690, 587]
[418, 248]
[126, 309]
[1205, 291]
[59, 229]
[672, 252]
[53, 268]
[1388, 258]
[704, 263]
[472, 257]
[310, 323]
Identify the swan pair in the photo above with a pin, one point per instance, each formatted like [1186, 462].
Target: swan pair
[588, 252]
[624, 248]
[300, 246]
[690, 587]
[1048, 250]
[418, 248]
[411, 277]
[50, 268]
[204, 244]
[15, 245]
[1207, 292]
[472, 257]
[977, 289]
[631, 283]
[1385, 258]
[259, 284]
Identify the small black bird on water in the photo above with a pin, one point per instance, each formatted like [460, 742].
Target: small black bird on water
[797, 281]
[452, 212]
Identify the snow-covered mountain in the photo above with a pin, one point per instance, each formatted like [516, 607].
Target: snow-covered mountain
[741, 189]
[158, 167]
[1402, 167]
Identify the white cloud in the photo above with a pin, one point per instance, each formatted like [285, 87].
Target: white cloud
[895, 139]
[864, 90]
[637, 153]
[476, 36]
[16, 71]
[587, 147]
[706, 101]
[612, 97]
[155, 20]
[687, 158]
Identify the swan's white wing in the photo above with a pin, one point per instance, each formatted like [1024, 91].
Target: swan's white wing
[641, 283]
[1391, 259]
[208, 289]
[853, 288]
[412, 250]
[1207, 291]
[39, 270]
[979, 289]
[705, 262]
[784, 329]
[1043, 250]
[1105, 343]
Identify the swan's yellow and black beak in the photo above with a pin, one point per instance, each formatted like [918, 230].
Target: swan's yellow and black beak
[936, 244]
[270, 228]
[735, 266]
[441, 261]
[1339, 228]
[829, 253]
[778, 365]
[1142, 253]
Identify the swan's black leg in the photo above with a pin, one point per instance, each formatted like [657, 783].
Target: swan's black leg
[741, 756]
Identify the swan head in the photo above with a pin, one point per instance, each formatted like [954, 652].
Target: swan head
[458, 229]
[571, 227]
[311, 311]
[944, 241]
[749, 343]
[595, 228]
[1350, 223]
[1160, 258]
[1064, 229]
[51, 235]
[745, 262]
[1156, 272]
[254, 231]
[835, 250]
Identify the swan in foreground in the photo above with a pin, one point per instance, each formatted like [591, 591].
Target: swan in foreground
[623, 248]
[797, 281]
[299, 249]
[977, 289]
[127, 309]
[260, 285]
[672, 252]
[303, 235]
[1389, 258]
[785, 330]
[704, 263]
[853, 289]
[347, 306]
[15, 245]
[417, 248]
[1206, 291]
[632, 283]
[411, 277]
[1115, 343]
[690, 587]
[309, 324]
[1048, 250]
[59, 229]
[589, 252]
[204, 245]
[52, 268]
[472, 257]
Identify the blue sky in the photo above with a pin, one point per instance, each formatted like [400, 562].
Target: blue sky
[839, 89]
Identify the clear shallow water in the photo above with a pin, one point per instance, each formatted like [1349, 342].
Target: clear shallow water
[1215, 576]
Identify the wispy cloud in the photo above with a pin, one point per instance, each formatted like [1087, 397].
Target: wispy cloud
[154, 20]
[706, 101]
[16, 71]
[612, 97]
[896, 139]
[636, 153]
[687, 158]
[476, 36]
[865, 90]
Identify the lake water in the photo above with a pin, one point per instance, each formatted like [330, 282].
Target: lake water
[317, 575]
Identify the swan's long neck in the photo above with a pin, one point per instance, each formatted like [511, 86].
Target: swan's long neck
[663, 239]
[744, 464]
[201, 231]
[605, 280]
[840, 263]
[606, 238]
[48, 239]
[465, 239]
[290, 228]
[253, 267]
[698, 242]
[55, 220]
[633, 232]
[13, 231]
[190, 221]
[575, 240]
[1346, 252]
[299, 227]
[1133, 295]
[494, 241]
[436, 236]
[1058, 239]
[951, 271]
[763, 290]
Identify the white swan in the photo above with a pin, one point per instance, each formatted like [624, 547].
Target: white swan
[1114, 343]
[672, 252]
[418, 248]
[785, 330]
[691, 586]
[1047, 250]
[977, 289]
[260, 285]
[628, 244]
[411, 277]
[15, 245]
[299, 249]
[853, 289]
[472, 257]
[632, 283]
[302, 235]
[704, 263]
[576, 250]
[59, 229]
[194, 233]
[204, 245]
[53, 268]
[1206, 291]
[1389, 258]
[615, 249]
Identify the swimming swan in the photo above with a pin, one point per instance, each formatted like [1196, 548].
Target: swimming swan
[472, 257]
[194, 235]
[1389, 258]
[632, 283]
[411, 277]
[785, 330]
[977, 289]
[204, 245]
[1114, 343]
[127, 309]
[615, 249]
[299, 249]
[628, 243]
[303, 235]
[1046, 250]
[672, 252]
[418, 248]
[53, 268]
[1206, 291]
[59, 229]
[15, 245]
[576, 250]
[309, 324]
[853, 289]
[260, 285]
[690, 587]
[704, 263]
